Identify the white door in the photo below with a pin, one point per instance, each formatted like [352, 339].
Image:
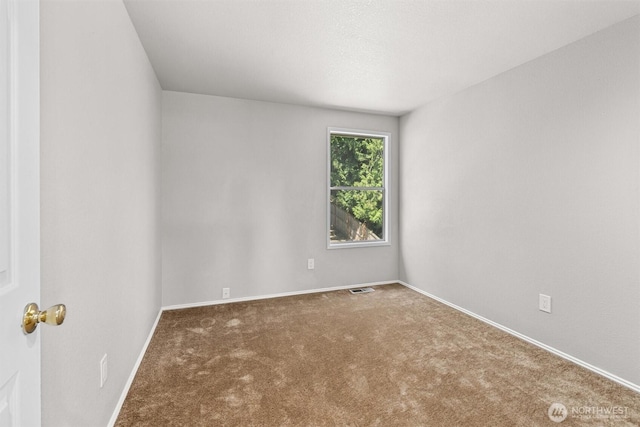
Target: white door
[19, 210]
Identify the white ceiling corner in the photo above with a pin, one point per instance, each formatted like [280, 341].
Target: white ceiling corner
[384, 56]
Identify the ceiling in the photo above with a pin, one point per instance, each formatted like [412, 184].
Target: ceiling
[383, 56]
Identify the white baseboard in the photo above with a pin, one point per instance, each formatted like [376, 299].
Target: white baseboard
[279, 295]
[134, 371]
[543, 346]
[608, 375]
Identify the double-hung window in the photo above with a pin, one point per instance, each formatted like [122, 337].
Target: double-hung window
[357, 191]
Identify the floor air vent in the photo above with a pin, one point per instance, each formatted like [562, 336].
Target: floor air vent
[361, 290]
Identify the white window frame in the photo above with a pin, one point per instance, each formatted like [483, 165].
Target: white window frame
[386, 137]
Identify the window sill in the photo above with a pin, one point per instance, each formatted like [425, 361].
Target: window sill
[360, 244]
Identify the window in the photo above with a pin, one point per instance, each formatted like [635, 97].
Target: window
[357, 190]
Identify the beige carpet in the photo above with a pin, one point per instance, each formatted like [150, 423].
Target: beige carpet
[389, 358]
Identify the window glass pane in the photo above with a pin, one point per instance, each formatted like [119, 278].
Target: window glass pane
[356, 161]
[356, 215]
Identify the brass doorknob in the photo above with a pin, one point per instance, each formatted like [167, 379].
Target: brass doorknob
[53, 316]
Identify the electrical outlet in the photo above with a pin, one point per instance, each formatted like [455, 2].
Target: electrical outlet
[104, 371]
[311, 264]
[544, 303]
[226, 293]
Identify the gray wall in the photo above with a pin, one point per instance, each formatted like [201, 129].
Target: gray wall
[100, 157]
[525, 184]
[528, 184]
[244, 200]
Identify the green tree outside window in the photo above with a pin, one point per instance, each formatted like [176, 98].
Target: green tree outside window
[357, 178]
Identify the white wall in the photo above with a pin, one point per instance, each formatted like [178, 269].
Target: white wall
[243, 200]
[100, 150]
[524, 184]
[528, 184]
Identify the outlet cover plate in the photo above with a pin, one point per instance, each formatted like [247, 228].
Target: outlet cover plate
[104, 370]
[544, 303]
